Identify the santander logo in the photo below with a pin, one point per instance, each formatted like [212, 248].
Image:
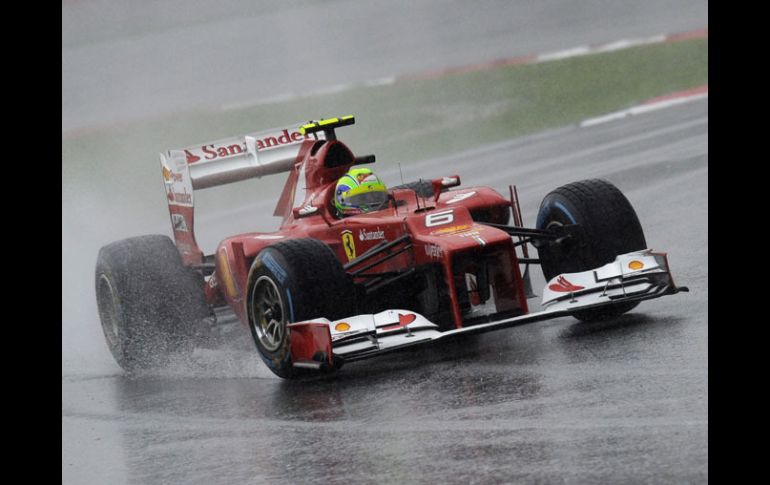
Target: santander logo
[365, 235]
[213, 152]
[564, 286]
[403, 321]
[191, 158]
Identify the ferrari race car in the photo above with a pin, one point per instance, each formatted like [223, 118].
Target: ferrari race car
[323, 290]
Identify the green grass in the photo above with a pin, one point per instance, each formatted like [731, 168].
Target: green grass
[403, 122]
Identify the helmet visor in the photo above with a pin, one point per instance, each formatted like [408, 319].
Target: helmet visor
[368, 200]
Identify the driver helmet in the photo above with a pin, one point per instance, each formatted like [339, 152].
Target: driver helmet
[359, 191]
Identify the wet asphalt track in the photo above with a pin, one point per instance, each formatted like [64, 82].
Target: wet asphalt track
[623, 401]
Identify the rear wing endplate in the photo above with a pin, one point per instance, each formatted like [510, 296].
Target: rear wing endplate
[222, 162]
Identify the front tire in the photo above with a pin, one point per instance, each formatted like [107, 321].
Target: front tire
[293, 281]
[609, 226]
[150, 304]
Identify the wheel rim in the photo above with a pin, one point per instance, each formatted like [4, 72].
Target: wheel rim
[269, 320]
[108, 303]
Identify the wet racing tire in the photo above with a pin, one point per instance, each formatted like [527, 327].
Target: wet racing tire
[150, 305]
[293, 281]
[609, 227]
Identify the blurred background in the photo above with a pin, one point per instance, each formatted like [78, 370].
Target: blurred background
[493, 90]
[144, 76]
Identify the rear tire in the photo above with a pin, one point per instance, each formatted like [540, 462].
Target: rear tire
[293, 281]
[150, 304]
[610, 226]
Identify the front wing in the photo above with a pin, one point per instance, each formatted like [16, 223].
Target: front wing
[325, 344]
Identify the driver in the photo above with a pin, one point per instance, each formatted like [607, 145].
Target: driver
[359, 191]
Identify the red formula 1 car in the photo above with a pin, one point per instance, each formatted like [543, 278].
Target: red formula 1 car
[324, 290]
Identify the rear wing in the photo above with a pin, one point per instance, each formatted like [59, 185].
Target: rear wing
[222, 162]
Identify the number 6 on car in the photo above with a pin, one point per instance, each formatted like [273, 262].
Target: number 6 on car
[439, 218]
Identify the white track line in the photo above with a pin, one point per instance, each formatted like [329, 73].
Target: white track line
[544, 57]
[639, 109]
[564, 54]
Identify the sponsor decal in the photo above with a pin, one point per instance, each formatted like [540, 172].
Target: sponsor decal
[214, 152]
[366, 177]
[342, 327]
[403, 321]
[212, 282]
[564, 286]
[450, 230]
[179, 223]
[191, 157]
[341, 334]
[349, 243]
[365, 235]
[434, 251]
[269, 236]
[273, 266]
[184, 247]
[459, 197]
[170, 177]
[307, 210]
[180, 198]
[475, 234]
[447, 181]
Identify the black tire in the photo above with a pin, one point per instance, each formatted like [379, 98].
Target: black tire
[609, 225]
[292, 281]
[150, 304]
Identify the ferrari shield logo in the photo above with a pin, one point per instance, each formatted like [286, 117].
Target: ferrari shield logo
[349, 243]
